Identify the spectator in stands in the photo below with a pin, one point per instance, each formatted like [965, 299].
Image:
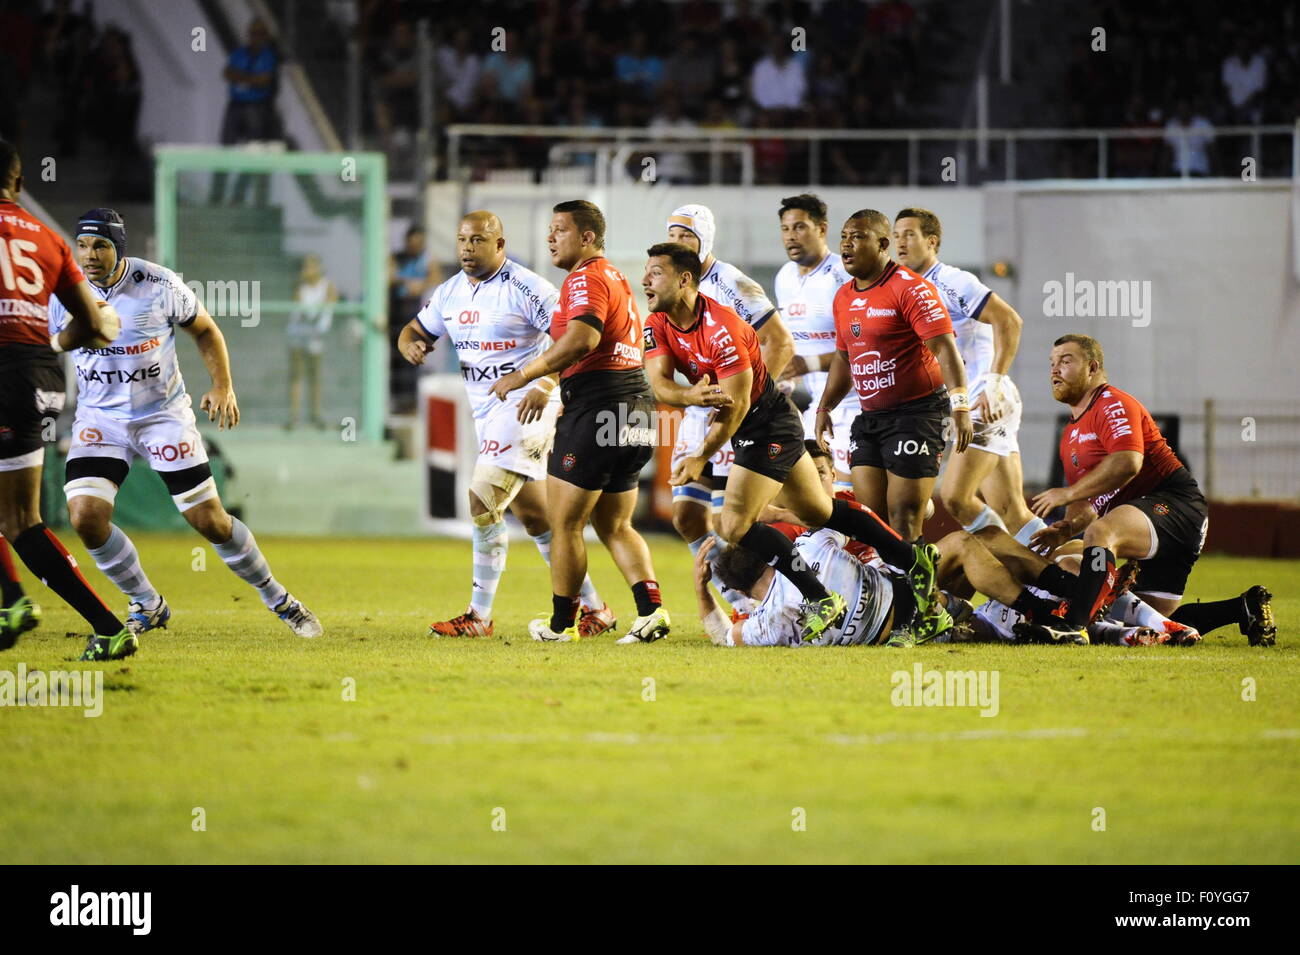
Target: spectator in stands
[253, 72]
[731, 80]
[309, 323]
[638, 71]
[508, 74]
[413, 274]
[458, 70]
[777, 82]
[690, 69]
[396, 86]
[672, 166]
[1137, 157]
[1244, 74]
[1190, 151]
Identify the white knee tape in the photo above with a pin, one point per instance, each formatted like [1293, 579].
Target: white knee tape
[99, 487]
[495, 487]
[196, 495]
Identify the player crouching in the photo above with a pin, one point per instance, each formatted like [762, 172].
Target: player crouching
[133, 403]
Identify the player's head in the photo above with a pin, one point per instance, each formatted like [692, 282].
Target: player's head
[803, 228]
[11, 170]
[480, 244]
[917, 235]
[671, 271]
[864, 242]
[825, 465]
[311, 268]
[101, 243]
[693, 226]
[1078, 366]
[739, 568]
[577, 232]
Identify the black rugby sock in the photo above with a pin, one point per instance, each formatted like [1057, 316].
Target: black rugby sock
[1096, 577]
[777, 550]
[863, 525]
[46, 558]
[1211, 615]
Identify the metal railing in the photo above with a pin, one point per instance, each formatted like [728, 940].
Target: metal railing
[1012, 141]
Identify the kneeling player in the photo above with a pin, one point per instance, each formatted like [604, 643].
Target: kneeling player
[719, 354]
[133, 403]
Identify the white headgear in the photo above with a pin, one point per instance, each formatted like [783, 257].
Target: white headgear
[699, 219]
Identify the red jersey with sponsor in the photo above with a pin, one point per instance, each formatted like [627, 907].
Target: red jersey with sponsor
[884, 328]
[718, 345]
[598, 289]
[34, 263]
[1116, 421]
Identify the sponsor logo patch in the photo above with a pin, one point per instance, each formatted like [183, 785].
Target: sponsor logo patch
[773, 450]
[568, 461]
[856, 329]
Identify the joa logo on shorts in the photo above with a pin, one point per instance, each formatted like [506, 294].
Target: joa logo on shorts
[568, 461]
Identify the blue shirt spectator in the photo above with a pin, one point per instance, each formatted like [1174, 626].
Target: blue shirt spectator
[251, 69]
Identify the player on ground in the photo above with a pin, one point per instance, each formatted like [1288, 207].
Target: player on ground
[718, 353]
[694, 227]
[805, 291]
[497, 315]
[1131, 497]
[36, 264]
[987, 330]
[606, 434]
[895, 345]
[133, 403]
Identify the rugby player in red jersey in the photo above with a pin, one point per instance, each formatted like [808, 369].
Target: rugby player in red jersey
[36, 263]
[719, 354]
[895, 345]
[1131, 497]
[606, 434]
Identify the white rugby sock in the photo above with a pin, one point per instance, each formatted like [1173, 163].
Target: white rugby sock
[490, 545]
[243, 557]
[1112, 633]
[589, 596]
[1032, 527]
[119, 561]
[1135, 612]
[986, 517]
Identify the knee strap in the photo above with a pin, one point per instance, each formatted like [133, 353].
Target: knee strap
[99, 487]
[495, 488]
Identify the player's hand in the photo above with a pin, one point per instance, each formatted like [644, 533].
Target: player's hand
[415, 351]
[110, 323]
[1050, 537]
[707, 395]
[963, 430]
[982, 406]
[703, 566]
[824, 430]
[509, 383]
[688, 471]
[533, 405]
[797, 367]
[1049, 500]
[993, 399]
[221, 406]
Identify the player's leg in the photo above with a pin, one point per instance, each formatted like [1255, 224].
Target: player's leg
[570, 508]
[1004, 491]
[962, 478]
[529, 506]
[11, 588]
[906, 499]
[297, 359]
[1124, 532]
[91, 487]
[313, 385]
[612, 520]
[990, 576]
[1252, 612]
[870, 487]
[491, 490]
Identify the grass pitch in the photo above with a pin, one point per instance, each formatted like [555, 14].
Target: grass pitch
[506, 750]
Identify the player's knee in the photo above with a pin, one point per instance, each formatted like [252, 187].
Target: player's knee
[535, 523]
[732, 526]
[213, 522]
[691, 522]
[960, 506]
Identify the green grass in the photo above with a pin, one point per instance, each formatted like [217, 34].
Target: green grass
[228, 711]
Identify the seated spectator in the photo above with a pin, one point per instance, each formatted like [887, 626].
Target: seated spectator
[778, 81]
[731, 80]
[412, 275]
[508, 74]
[1190, 152]
[458, 70]
[1244, 75]
[1137, 157]
[690, 69]
[638, 71]
[672, 167]
[396, 84]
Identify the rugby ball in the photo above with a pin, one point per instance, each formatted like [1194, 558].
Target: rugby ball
[110, 326]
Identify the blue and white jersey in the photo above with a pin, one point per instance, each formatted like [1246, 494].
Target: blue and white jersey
[497, 325]
[965, 295]
[137, 374]
[725, 283]
[807, 304]
[868, 593]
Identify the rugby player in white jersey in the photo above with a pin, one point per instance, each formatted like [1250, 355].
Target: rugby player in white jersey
[805, 292]
[988, 336]
[693, 226]
[133, 403]
[497, 315]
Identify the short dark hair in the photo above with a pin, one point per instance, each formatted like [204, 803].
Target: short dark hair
[738, 567]
[586, 216]
[877, 220]
[11, 165]
[1090, 346]
[929, 222]
[809, 203]
[684, 259]
[815, 450]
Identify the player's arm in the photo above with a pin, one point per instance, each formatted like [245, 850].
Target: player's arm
[802, 364]
[579, 340]
[86, 321]
[1077, 518]
[776, 344]
[414, 343]
[659, 369]
[722, 632]
[219, 402]
[735, 387]
[1007, 325]
[944, 348]
[838, 382]
[1115, 470]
